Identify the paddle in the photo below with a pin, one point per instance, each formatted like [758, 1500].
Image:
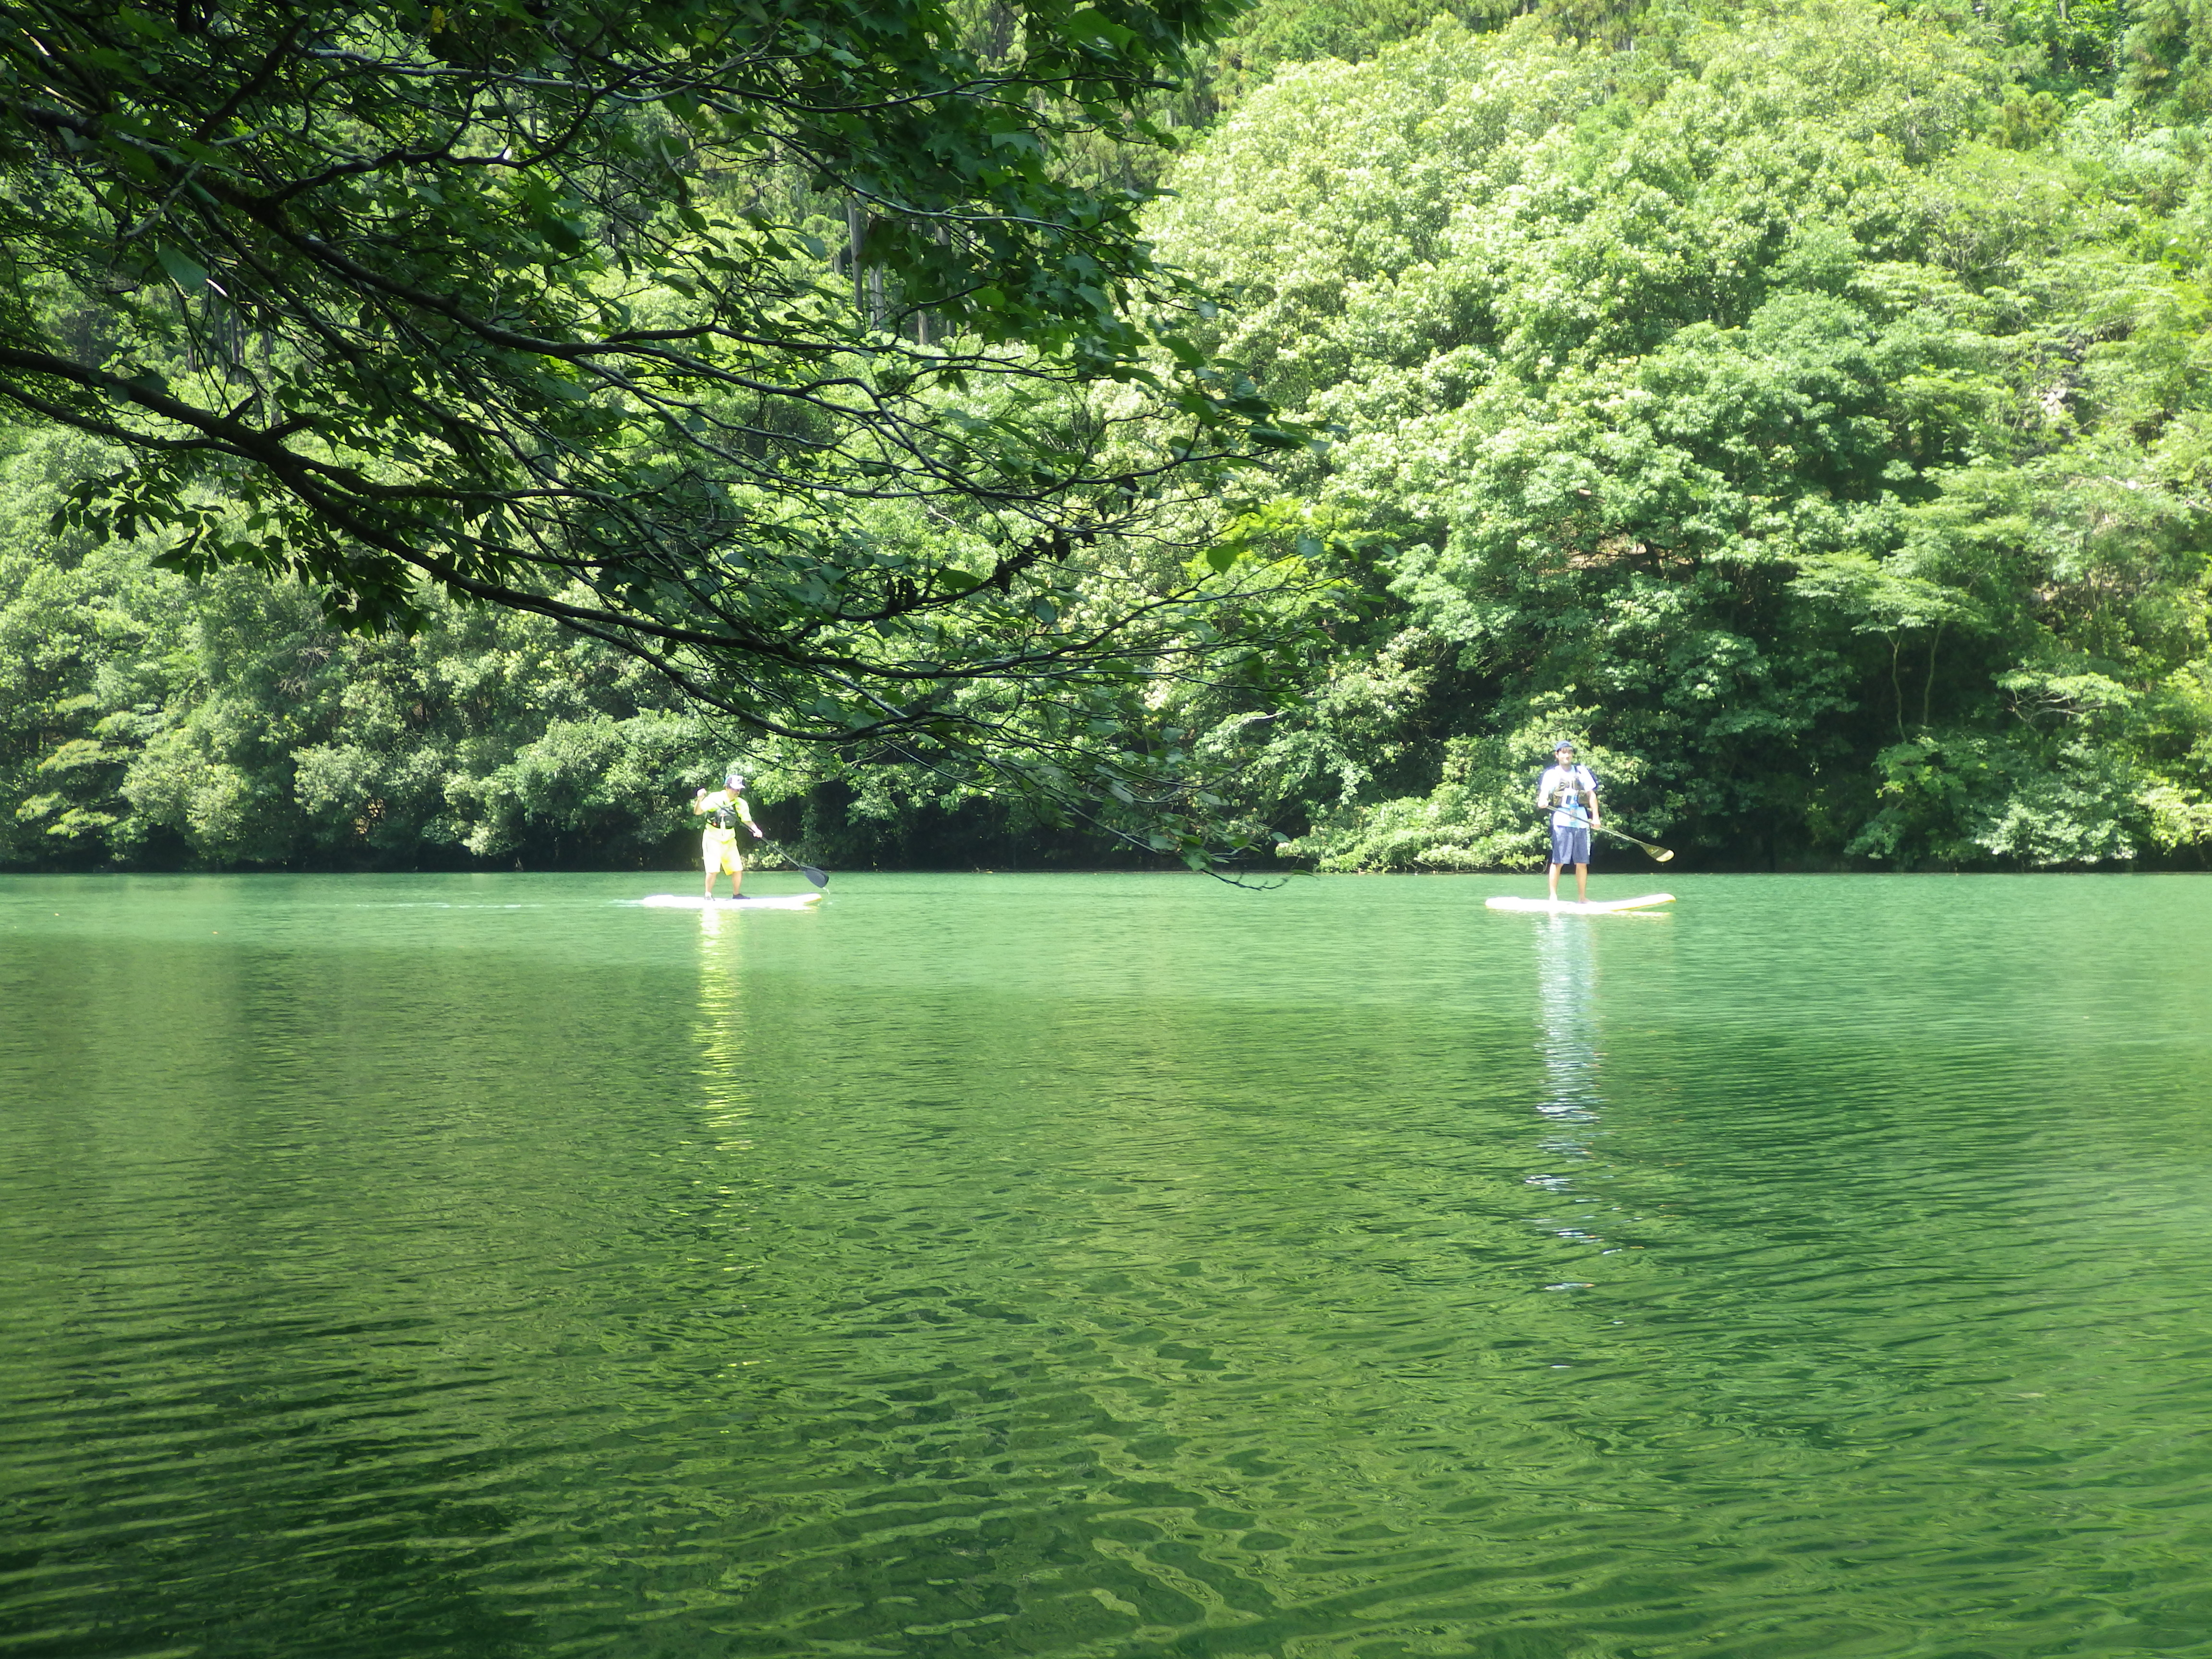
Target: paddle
[818, 878]
[1656, 851]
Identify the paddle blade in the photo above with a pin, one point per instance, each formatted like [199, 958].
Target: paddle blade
[817, 876]
[1661, 853]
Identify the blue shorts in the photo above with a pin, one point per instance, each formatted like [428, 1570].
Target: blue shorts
[1570, 843]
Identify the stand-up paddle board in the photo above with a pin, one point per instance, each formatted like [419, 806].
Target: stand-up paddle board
[1571, 908]
[770, 902]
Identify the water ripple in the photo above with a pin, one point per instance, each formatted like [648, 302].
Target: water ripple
[1105, 1266]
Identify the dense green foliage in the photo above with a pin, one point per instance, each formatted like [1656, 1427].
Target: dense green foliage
[770, 345]
[147, 718]
[1810, 412]
[1779, 410]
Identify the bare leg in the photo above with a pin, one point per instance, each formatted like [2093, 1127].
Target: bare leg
[1581, 883]
[1552, 875]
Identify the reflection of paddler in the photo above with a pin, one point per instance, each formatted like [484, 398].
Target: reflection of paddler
[725, 809]
[1566, 989]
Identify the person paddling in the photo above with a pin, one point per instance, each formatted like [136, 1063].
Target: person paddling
[725, 809]
[1571, 792]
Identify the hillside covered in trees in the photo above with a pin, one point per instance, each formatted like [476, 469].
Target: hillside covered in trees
[1807, 409]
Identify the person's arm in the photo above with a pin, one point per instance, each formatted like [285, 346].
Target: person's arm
[1544, 788]
[745, 813]
[1592, 777]
[699, 799]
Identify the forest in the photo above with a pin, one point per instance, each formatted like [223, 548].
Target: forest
[1806, 408]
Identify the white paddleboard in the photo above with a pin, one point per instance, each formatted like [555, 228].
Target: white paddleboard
[770, 902]
[1570, 908]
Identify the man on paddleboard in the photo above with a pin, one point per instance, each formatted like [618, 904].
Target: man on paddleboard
[1570, 793]
[725, 809]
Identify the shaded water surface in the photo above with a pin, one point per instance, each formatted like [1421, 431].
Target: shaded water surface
[1113, 1265]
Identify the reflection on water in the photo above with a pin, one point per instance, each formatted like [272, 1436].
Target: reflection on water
[1567, 994]
[1104, 1267]
[725, 1088]
[1567, 1015]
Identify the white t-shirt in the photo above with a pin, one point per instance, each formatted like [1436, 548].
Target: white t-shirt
[1570, 790]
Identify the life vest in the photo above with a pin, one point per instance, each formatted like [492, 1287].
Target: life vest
[1576, 792]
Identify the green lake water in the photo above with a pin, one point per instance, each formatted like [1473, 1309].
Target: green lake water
[428, 1267]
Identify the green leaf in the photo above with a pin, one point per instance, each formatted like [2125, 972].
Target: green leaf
[187, 272]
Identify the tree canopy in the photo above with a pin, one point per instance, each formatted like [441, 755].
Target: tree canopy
[1773, 406]
[765, 343]
[1806, 411]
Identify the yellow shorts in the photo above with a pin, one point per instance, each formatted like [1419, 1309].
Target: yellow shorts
[719, 848]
